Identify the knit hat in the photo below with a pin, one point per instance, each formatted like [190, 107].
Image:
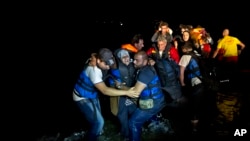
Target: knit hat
[122, 53]
[106, 55]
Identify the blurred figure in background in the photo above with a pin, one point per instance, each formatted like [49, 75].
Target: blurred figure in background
[163, 31]
[137, 43]
[227, 52]
[228, 48]
[190, 79]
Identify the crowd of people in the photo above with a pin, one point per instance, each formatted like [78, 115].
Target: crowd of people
[130, 76]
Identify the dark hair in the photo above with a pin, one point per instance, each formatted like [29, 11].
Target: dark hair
[136, 38]
[188, 45]
[163, 24]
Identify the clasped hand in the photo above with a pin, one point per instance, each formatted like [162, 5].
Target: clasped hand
[132, 93]
[119, 85]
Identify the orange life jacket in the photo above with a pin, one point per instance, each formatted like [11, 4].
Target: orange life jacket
[129, 47]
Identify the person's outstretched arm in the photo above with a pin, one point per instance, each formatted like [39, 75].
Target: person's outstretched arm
[115, 92]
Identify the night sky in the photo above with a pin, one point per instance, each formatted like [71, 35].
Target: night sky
[60, 40]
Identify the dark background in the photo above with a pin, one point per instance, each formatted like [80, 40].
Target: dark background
[60, 39]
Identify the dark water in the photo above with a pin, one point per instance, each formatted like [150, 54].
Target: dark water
[66, 44]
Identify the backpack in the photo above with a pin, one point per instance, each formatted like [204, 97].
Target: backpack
[168, 71]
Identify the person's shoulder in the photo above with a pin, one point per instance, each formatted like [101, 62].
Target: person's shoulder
[126, 45]
[235, 38]
[148, 69]
[147, 72]
[92, 69]
[187, 56]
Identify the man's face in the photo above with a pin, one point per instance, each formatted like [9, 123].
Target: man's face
[161, 45]
[138, 61]
[225, 32]
[140, 44]
[103, 65]
[164, 29]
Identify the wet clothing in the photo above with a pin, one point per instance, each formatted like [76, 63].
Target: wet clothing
[122, 106]
[86, 97]
[147, 76]
[194, 85]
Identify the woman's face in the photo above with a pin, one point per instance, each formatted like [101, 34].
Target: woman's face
[125, 59]
[185, 36]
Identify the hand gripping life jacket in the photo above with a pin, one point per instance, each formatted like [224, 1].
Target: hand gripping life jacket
[124, 74]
